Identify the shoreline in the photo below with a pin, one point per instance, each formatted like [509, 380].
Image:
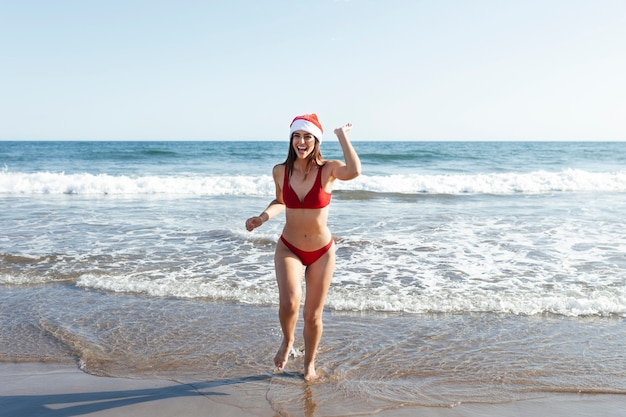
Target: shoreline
[36, 389]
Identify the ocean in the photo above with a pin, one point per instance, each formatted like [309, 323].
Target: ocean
[466, 271]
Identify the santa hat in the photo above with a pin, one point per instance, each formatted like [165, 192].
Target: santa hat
[308, 123]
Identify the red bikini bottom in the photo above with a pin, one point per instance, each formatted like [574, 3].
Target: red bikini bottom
[306, 257]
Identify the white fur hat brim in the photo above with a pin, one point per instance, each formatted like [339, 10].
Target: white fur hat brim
[305, 125]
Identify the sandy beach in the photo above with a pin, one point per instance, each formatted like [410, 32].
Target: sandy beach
[61, 390]
[36, 389]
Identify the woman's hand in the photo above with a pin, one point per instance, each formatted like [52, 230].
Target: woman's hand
[254, 222]
[343, 129]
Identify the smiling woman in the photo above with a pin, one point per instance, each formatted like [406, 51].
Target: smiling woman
[306, 240]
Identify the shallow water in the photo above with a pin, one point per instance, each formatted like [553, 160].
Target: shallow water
[470, 272]
[383, 359]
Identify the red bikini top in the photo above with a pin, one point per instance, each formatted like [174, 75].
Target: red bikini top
[316, 198]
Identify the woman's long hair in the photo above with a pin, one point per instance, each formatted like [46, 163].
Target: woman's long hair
[315, 158]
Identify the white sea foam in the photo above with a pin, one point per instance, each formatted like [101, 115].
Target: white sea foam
[440, 297]
[455, 266]
[568, 180]
[104, 184]
[407, 262]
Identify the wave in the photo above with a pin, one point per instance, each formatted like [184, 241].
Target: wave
[354, 298]
[366, 186]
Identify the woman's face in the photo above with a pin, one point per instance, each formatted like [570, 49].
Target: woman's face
[303, 143]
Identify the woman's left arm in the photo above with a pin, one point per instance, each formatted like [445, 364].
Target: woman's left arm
[352, 167]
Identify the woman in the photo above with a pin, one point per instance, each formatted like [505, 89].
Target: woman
[303, 188]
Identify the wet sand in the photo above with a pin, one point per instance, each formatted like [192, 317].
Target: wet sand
[39, 389]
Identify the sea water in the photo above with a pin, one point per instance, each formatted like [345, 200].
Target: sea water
[457, 262]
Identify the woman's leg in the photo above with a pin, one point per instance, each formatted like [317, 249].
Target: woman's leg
[289, 279]
[318, 277]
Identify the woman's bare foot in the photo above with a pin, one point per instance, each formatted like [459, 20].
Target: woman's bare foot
[309, 373]
[280, 360]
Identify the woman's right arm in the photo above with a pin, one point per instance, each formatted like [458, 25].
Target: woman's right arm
[274, 208]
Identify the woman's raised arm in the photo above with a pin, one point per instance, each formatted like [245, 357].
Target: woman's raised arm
[352, 167]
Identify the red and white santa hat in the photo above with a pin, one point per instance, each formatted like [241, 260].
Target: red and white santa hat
[308, 123]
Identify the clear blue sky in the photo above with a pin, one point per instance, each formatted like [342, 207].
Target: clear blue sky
[240, 70]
